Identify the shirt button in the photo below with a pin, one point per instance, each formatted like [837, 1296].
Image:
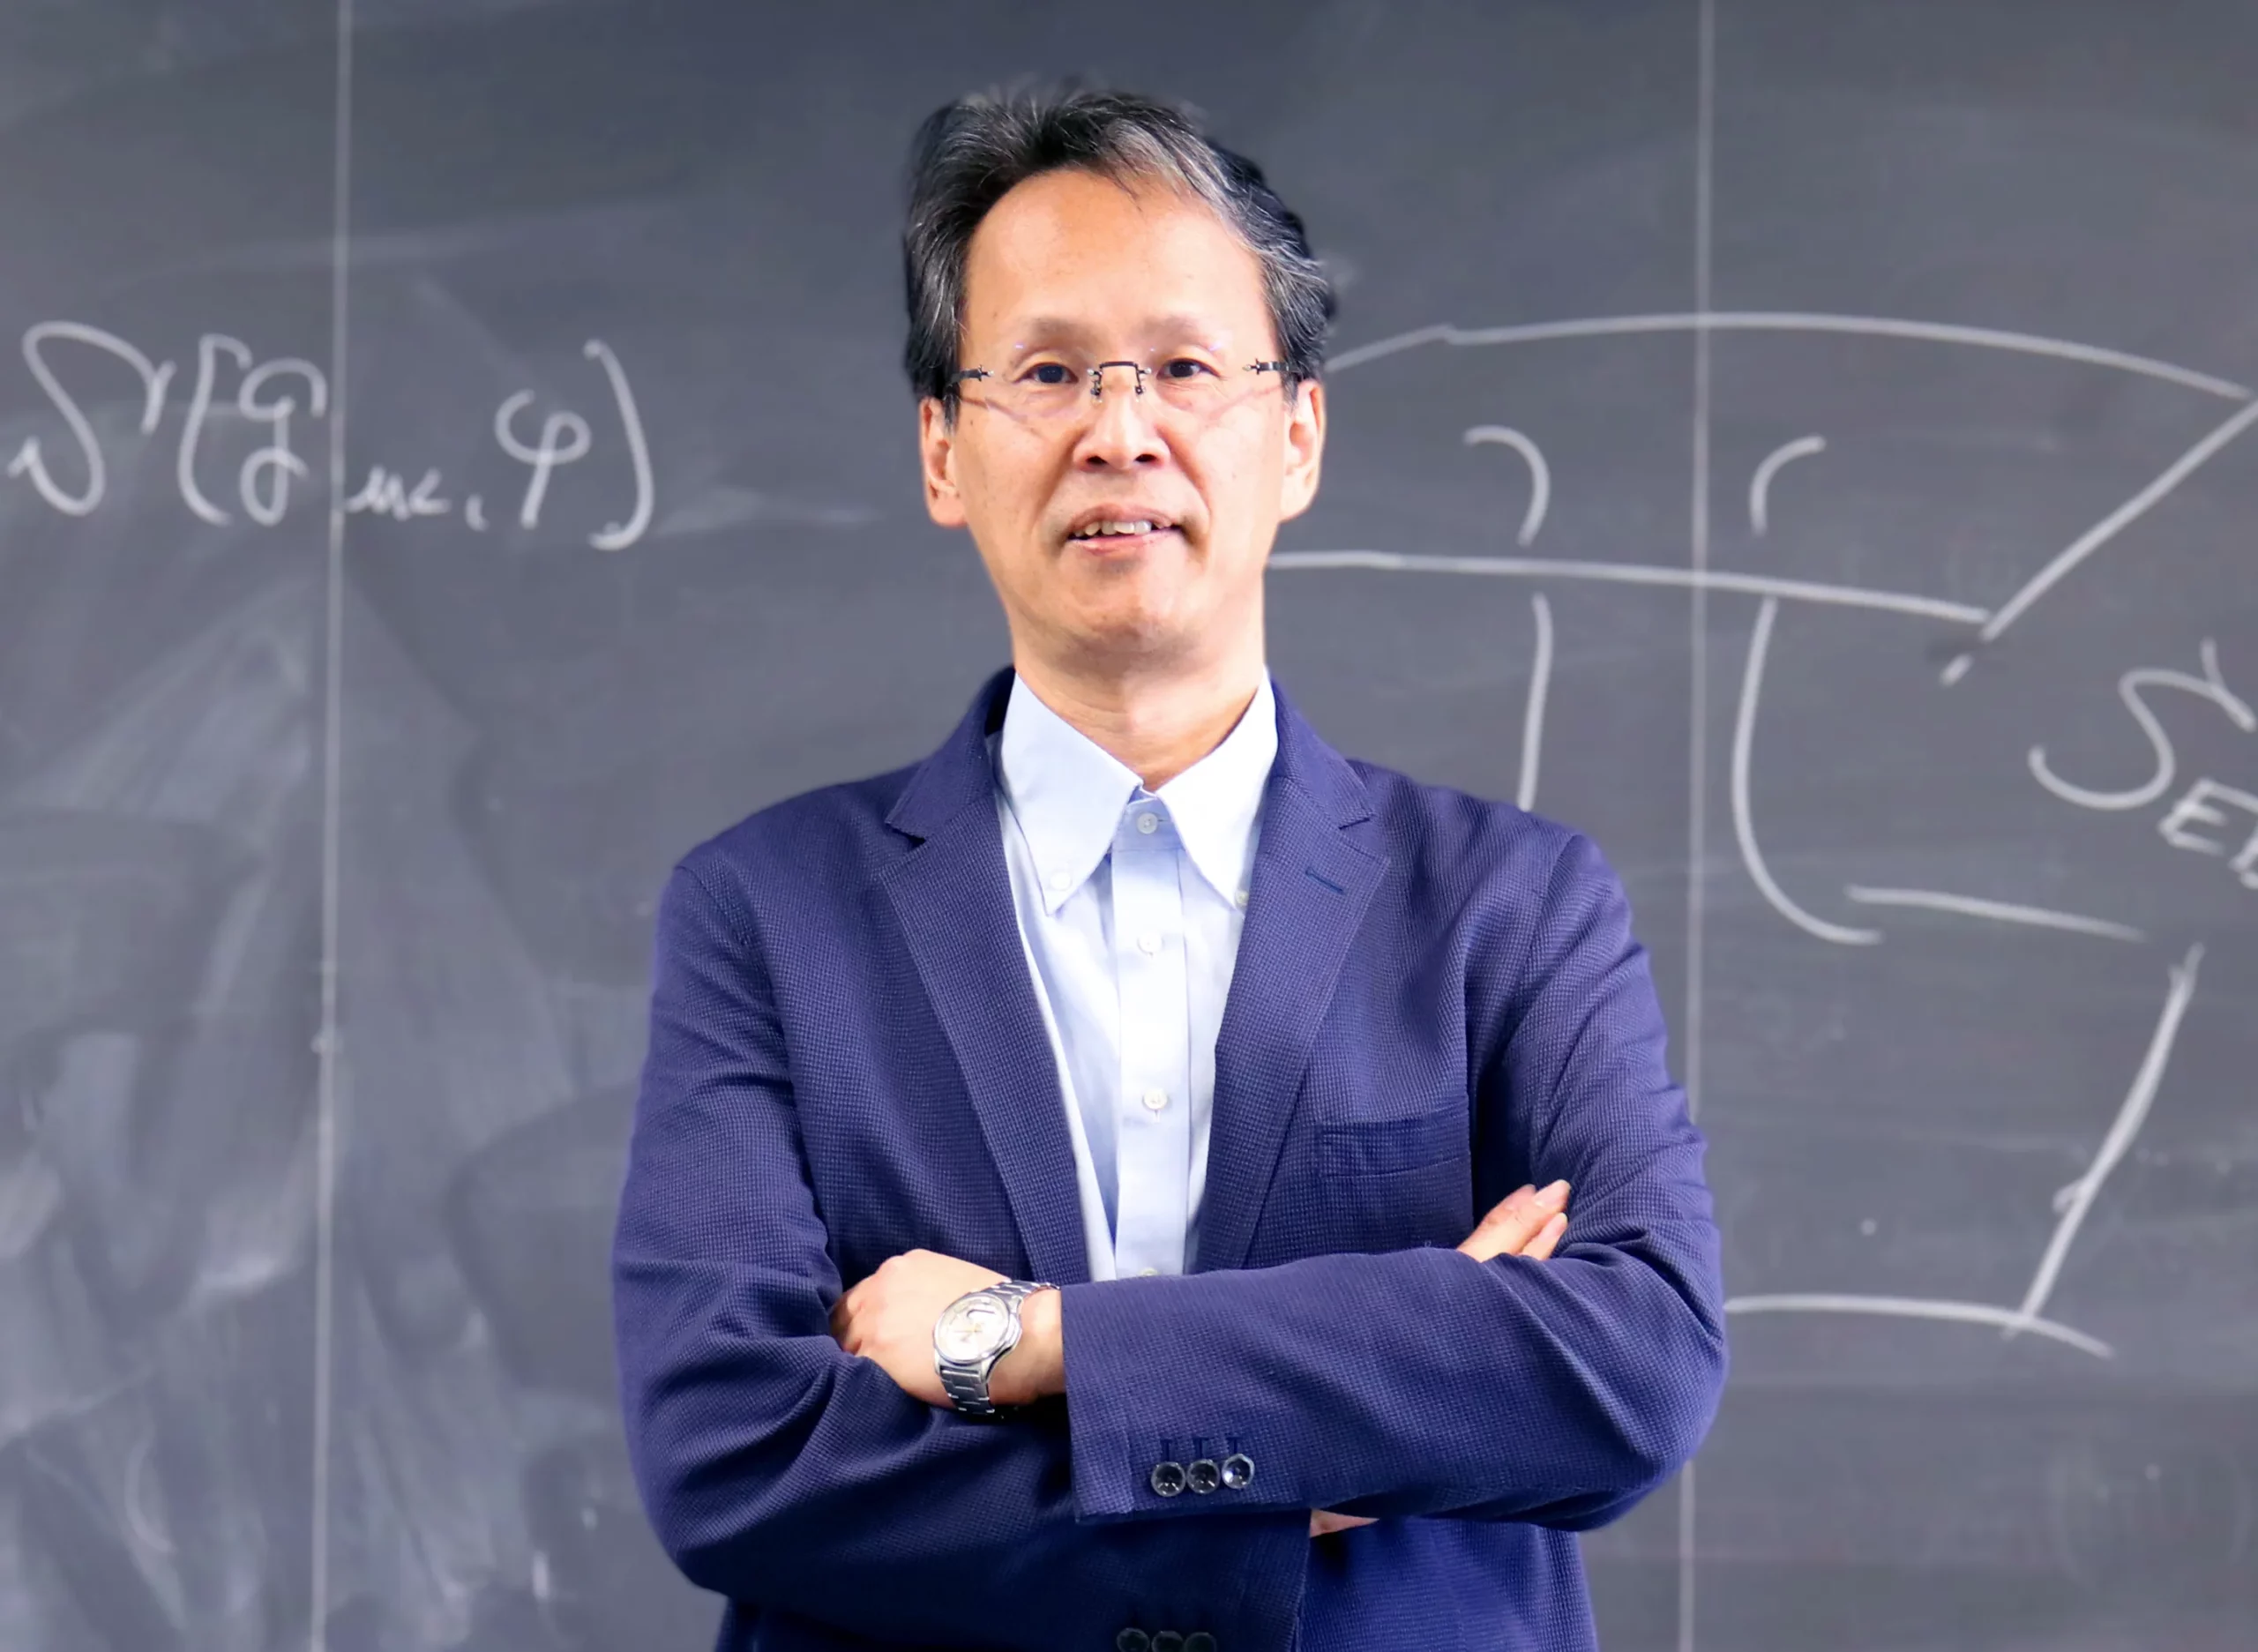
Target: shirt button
[1060, 879]
[1148, 823]
[1239, 899]
[1155, 1099]
[1149, 942]
[1147, 1273]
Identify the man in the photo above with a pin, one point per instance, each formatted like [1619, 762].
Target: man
[1137, 1001]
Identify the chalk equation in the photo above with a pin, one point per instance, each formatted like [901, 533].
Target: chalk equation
[2208, 815]
[278, 398]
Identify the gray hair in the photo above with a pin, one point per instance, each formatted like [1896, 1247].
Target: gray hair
[967, 154]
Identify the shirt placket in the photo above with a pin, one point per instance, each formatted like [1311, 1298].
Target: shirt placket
[1152, 1108]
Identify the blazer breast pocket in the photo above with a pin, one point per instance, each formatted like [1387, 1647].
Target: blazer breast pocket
[1367, 1146]
[1390, 1184]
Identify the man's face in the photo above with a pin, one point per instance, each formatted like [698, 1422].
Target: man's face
[1075, 268]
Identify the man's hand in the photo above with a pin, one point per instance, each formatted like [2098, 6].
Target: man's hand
[1525, 1222]
[889, 1318]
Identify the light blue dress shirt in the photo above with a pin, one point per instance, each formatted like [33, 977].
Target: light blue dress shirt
[1130, 904]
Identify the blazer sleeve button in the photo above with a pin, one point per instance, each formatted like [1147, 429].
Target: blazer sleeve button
[1202, 1475]
[1167, 1478]
[1168, 1640]
[1133, 1639]
[1239, 1471]
[1199, 1640]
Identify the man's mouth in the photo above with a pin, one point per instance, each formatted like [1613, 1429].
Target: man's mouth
[1120, 530]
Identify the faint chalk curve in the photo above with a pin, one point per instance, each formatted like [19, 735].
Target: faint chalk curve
[1760, 485]
[2002, 911]
[2101, 533]
[1540, 687]
[2071, 1203]
[1638, 573]
[1743, 823]
[1920, 1308]
[1794, 321]
[1540, 473]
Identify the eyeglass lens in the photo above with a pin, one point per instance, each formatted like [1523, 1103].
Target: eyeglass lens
[1059, 386]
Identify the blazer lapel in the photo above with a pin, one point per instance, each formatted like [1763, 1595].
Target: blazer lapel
[952, 897]
[1305, 902]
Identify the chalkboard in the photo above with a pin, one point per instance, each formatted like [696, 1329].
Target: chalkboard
[457, 460]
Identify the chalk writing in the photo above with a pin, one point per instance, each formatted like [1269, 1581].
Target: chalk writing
[276, 462]
[2210, 687]
[385, 494]
[1540, 685]
[1540, 473]
[620, 536]
[31, 460]
[1760, 484]
[2208, 818]
[564, 440]
[2205, 805]
[2203, 808]
[277, 399]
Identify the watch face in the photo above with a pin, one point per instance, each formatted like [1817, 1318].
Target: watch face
[970, 1328]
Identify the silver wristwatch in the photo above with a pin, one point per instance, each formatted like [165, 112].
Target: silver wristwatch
[973, 1333]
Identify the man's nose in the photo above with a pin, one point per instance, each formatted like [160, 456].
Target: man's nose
[1121, 434]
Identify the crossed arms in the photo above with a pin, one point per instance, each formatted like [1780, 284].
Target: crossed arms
[781, 1469]
[889, 1317]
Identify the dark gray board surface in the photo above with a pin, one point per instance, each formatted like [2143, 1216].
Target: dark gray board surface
[1927, 229]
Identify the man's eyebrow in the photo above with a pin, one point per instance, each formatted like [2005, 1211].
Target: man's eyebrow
[1197, 326]
[1039, 329]
[1047, 328]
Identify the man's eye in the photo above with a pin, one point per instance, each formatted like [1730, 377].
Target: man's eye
[1050, 373]
[1183, 367]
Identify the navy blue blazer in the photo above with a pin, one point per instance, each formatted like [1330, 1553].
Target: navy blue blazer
[1437, 998]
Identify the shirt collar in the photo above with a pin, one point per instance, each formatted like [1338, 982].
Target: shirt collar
[1068, 793]
[1216, 802]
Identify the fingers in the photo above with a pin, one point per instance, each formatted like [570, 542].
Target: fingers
[844, 1330]
[1322, 1521]
[1518, 1222]
[1548, 1235]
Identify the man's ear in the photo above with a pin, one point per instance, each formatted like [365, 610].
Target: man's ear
[937, 454]
[1305, 438]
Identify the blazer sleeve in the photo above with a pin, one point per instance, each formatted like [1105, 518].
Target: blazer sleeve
[782, 1471]
[1423, 1382]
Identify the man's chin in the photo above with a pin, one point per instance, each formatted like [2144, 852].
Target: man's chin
[1131, 634]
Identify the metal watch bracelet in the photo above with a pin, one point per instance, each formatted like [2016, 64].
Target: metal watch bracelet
[968, 1387]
